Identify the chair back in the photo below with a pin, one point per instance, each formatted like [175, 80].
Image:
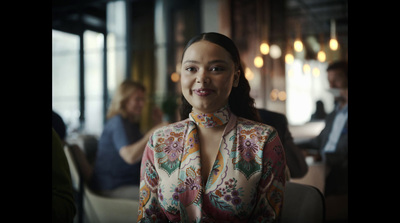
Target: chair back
[88, 143]
[302, 203]
[98, 208]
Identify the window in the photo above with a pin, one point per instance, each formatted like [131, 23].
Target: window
[93, 59]
[66, 84]
[65, 78]
[306, 82]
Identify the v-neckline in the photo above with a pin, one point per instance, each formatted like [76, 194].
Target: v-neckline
[215, 155]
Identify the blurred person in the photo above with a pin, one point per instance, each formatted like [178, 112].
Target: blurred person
[116, 171]
[219, 163]
[295, 158]
[63, 204]
[319, 113]
[58, 125]
[332, 142]
[60, 128]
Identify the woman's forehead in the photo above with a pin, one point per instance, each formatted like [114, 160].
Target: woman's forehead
[205, 50]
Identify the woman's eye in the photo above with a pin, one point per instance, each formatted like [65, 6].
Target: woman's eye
[218, 69]
[191, 69]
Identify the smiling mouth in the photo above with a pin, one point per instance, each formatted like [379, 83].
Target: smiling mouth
[203, 92]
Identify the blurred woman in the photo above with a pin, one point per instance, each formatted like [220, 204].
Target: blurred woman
[219, 163]
[117, 166]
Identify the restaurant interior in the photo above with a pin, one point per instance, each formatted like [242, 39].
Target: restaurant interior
[285, 45]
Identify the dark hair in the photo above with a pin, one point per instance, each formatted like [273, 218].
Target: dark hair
[339, 65]
[240, 102]
[59, 125]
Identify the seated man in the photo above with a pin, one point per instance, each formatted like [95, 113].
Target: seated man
[332, 143]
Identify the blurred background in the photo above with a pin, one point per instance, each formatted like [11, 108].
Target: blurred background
[285, 45]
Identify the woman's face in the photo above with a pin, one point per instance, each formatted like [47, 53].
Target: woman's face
[135, 103]
[207, 76]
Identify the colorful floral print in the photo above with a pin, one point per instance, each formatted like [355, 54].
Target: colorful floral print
[246, 183]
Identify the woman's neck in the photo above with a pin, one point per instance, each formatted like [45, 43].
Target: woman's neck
[211, 120]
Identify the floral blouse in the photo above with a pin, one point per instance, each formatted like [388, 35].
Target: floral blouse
[246, 183]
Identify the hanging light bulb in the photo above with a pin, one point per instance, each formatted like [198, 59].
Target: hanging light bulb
[264, 48]
[306, 68]
[276, 51]
[282, 95]
[321, 56]
[258, 61]
[333, 43]
[274, 94]
[298, 45]
[289, 58]
[316, 72]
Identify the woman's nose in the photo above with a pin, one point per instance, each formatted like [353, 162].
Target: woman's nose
[202, 77]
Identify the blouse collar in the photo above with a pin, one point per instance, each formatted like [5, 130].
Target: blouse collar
[210, 120]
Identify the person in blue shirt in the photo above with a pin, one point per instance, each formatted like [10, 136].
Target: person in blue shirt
[116, 171]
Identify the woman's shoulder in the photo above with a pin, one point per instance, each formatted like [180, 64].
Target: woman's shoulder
[114, 121]
[115, 118]
[171, 131]
[251, 125]
[175, 127]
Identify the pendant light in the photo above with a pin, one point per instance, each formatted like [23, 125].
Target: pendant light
[289, 58]
[321, 56]
[333, 43]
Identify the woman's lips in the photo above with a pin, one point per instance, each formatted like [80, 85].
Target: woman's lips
[203, 91]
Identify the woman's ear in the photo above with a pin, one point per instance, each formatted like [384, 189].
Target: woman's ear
[236, 76]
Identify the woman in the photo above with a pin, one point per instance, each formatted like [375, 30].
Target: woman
[117, 168]
[219, 163]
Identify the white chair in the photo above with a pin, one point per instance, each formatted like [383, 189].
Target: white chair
[302, 203]
[97, 208]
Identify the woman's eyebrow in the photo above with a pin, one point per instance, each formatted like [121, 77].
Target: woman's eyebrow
[210, 62]
[191, 61]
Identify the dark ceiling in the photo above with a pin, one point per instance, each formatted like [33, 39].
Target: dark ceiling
[313, 17]
[66, 15]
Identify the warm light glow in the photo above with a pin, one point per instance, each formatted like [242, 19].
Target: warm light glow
[289, 58]
[274, 94]
[282, 95]
[315, 72]
[248, 74]
[306, 68]
[258, 62]
[275, 51]
[333, 44]
[264, 48]
[321, 56]
[175, 77]
[298, 45]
